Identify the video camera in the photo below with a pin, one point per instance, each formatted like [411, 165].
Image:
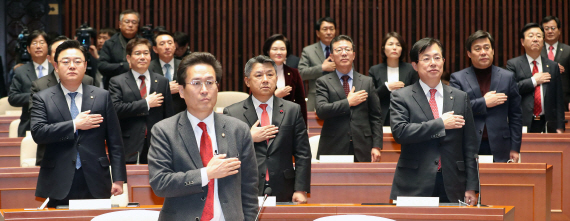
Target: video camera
[147, 32]
[22, 45]
[84, 34]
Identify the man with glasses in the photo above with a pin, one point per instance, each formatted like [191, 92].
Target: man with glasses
[434, 124]
[141, 98]
[539, 83]
[348, 103]
[558, 52]
[80, 129]
[113, 57]
[19, 95]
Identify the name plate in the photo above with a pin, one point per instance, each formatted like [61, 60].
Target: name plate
[271, 201]
[90, 204]
[336, 159]
[485, 158]
[386, 129]
[417, 201]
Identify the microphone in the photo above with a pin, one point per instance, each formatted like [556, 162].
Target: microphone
[267, 193]
[478, 177]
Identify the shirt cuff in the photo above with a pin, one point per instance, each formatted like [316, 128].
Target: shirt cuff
[533, 81]
[386, 83]
[74, 128]
[147, 105]
[204, 175]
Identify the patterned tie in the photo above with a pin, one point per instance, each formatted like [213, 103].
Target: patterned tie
[167, 73]
[74, 112]
[435, 113]
[265, 122]
[537, 98]
[327, 52]
[206, 154]
[551, 53]
[345, 84]
[40, 72]
[143, 87]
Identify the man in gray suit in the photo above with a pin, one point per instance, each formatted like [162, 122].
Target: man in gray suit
[200, 160]
[352, 116]
[558, 52]
[316, 59]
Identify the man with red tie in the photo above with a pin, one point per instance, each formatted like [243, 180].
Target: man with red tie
[558, 52]
[539, 83]
[201, 162]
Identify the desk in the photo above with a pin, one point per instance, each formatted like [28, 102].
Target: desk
[302, 213]
[5, 124]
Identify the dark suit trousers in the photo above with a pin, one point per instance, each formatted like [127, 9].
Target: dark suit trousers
[439, 189]
[79, 190]
[537, 126]
[143, 157]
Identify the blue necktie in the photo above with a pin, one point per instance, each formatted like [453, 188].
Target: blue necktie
[40, 72]
[167, 73]
[74, 112]
[327, 52]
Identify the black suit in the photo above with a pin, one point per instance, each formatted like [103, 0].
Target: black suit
[52, 126]
[345, 126]
[113, 58]
[424, 139]
[134, 115]
[178, 103]
[291, 140]
[562, 56]
[19, 95]
[379, 73]
[551, 91]
[44, 83]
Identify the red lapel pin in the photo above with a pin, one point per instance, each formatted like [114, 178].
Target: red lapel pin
[281, 111]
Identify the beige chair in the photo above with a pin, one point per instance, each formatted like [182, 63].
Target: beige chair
[314, 143]
[227, 98]
[5, 106]
[13, 131]
[28, 150]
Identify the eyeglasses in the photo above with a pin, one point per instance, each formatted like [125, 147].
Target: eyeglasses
[484, 48]
[36, 43]
[340, 50]
[134, 22]
[67, 62]
[550, 28]
[436, 59]
[538, 36]
[198, 84]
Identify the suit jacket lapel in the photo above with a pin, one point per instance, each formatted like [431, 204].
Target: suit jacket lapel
[153, 83]
[50, 68]
[131, 81]
[422, 101]
[495, 78]
[336, 86]
[402, 73]
[249, 111]
[277, 118]
[221, 141]
[525, 65]
[59, 99]
[155, 67]
[88, 99]
[472, 81]
[31, 73]
[384, 74]
[356, 81]
[447, 99]
[186, 132]
[319, 52]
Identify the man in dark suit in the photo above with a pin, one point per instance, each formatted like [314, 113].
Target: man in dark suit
[113, 57]
[81, 122]
[49, 80]
[166, 65]
[438, 153]
[351, 116]
[558, 52]
[281, 136]
[181, 41]
[316, 59]
[19, 95]
[495, 100]
[200, 160]
[538, 79]
[138, 98]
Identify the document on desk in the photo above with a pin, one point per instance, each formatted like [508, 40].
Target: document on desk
[417, 201]
[90, 204]
[336, 159]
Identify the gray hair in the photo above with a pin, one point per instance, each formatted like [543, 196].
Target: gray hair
[257, 59]
[129, 11]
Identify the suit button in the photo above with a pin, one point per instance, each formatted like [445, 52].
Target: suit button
[191, 182]
[262, 175]
[197, 219]
[436, 162]
[203, 198]
[480, 131]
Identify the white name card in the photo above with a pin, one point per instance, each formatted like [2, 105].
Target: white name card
[386, 129]
[524, 129]
[417, 201]
[336, 159]
[271, 201]
[90, 204]
[485, 158]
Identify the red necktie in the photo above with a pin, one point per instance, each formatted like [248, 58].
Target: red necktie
[537, 98]
[345, 84]
[143, 87]
[435, 113]
[265, 122]
[206, 155]
[551, 53]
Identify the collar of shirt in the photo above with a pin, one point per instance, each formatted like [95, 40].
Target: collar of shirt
[538, 60]
[171, 62]
[426, 88]
[44, 65]
[137, 74]
[547, 46]
[324, 47]
[256, 103]
[280, 76]
[79, 90]
[350, 75]
[209, 121]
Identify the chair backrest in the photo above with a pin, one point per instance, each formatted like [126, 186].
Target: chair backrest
[28, 150]
[139, 215]
[314, 143]
[5, 106]
[227, 98]
[352, 217]
[13, 131]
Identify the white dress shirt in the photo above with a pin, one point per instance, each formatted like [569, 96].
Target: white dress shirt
[547, 46]
[78, 100]
[539, 65]
[438, 95]
[393, 75]
[209, 121]
[259, 111]
[45, 68]
[146, 81]
[280, 77]
[171, 63]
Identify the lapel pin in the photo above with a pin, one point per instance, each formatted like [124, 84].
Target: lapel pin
[288, 73]
[91, 97]
[281, 111]
[223, 135]
[546, 65]
[561, 49]
[155, 81]
[451, 98]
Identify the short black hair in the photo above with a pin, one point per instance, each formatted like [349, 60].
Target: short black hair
[109, 31]
[389, 35]
[181, 38]
[35, 34]
[159, 33]
[274, 38]
[56, 39]
[343, 37]
[321, 20]
[194, 59]
[529, 26]
[479, 34]
[69, 44]
[421, 45]
[550, 18]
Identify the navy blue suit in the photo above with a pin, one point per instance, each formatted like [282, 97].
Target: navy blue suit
[504, 122]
